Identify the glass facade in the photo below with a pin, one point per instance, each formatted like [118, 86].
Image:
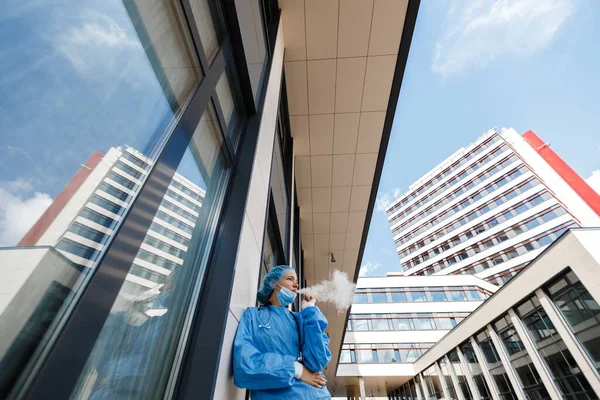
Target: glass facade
[404, 322]
[432, 380]
[383, 352]
[124, 168]
[420, 294]
[495, 366]
[460, 374]
[475, 369]
[558, 359]
[520, 360]
[580, 310]
[445, 371]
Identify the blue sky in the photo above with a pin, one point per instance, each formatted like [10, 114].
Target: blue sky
[479, 64]
[74, 79]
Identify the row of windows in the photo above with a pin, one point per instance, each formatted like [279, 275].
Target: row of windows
[179, 211]
[487, 144]
[434, 208]
[537, 242]
[120, 179]
[147, 274]
[97, 217]
[185, 189]
[382, 353]
[113, 191]
[467, 202]
[184, 201]
[503, 277]
[134, 160]
[404, 322]
[169, 234]
[87, 232]
[128, 169]
[78, 249]
[175, 222]
[499, 238]
[577, 308]
[155, 259]
[167, 248]
[419, 294]
[478, 212]
[106, 204]
[505, 215]
[484, 161]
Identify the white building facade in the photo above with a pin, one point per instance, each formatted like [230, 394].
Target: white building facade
[488, 210]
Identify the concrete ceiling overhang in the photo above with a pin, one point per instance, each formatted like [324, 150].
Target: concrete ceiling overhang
[344, 62]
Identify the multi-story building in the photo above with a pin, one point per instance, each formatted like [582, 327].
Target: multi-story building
[489, 209]
[394, 320]
[480, 217]
[536, 338]
[81, 223]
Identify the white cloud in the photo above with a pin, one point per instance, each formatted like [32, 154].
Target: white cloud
[90, 46]
[368, 267]
[594, 180]
[478, 32]
[19, 210]
[385, 199]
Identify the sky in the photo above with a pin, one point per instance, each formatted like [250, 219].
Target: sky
[479, 64]
[74, 79]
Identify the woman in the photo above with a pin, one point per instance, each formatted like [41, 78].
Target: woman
[279, 354]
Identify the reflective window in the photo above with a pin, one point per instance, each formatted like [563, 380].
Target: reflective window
[495, 366]
[279, 193]
[432, 380]
[563, 368]
[85, 68]
[460, 374]
[148, 316]
[580, 310]
[445, 370]
[520, 360]
[475, 370]
[253, 37]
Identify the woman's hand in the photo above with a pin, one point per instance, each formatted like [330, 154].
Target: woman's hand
[308, 297]
[312, 378]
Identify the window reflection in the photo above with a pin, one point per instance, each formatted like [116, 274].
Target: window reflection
[147, 318]
[107, 81]
[581, 312]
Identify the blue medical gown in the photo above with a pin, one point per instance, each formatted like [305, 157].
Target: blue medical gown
[263, 358]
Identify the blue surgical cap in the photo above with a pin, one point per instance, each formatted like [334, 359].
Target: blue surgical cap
[270, 281]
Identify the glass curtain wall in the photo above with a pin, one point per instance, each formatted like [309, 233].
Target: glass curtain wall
[432, 380]
[581, 312]
[460, 374]
[475, 369]
[444, 368]
[520, 360]
[558, 359]
[494, 364]
[139, 114]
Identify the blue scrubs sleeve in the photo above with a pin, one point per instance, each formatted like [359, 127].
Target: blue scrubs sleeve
[255, 370]
[315, 350]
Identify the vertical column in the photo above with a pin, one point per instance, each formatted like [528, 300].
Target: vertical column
[419, 393]
[484, 368]
[470, 380]
[534, 355]
[454, 378]
[570, 340]
[361, 388]
[442, 379]
[510, 372]
[426, 393]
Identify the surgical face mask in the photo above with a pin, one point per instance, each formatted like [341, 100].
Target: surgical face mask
[285, 296]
